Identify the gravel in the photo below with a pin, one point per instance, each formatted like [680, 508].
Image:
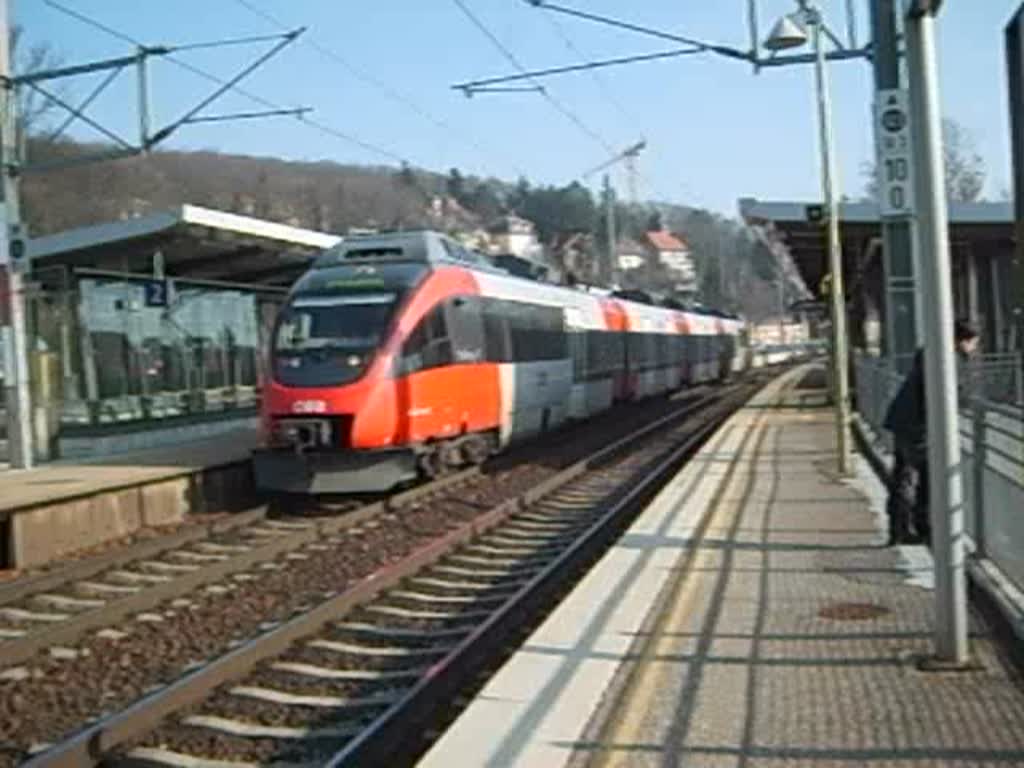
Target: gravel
[53, 697]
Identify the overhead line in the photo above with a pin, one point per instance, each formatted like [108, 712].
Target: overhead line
[723, 50]
[602, 82]
[474, 85]
[373, 81]
[608, 92]
[565, 111]
[322, 127]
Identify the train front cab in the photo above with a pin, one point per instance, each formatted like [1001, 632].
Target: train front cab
[422, 377]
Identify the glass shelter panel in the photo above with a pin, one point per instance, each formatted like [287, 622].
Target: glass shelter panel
[199, 354]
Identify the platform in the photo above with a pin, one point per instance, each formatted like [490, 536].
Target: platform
[65, 507]
[751, 616]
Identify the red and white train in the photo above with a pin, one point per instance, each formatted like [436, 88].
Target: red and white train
[398, 355]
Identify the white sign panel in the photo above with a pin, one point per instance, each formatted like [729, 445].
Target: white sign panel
[895, 161]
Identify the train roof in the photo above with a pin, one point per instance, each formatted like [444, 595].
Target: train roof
[436, 249]
[423, 246]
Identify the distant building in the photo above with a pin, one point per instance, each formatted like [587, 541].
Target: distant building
[511, 234]
[671, 251]
[629, 255]
[477, 239]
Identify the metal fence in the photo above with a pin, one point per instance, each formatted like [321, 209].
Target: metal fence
[992, 451]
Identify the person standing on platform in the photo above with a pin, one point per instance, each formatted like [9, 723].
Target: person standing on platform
[907, 419]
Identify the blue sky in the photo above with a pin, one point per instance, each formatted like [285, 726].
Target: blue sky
[715, 131]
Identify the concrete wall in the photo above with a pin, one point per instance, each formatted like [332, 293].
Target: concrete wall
[109, 445]
[43, 533]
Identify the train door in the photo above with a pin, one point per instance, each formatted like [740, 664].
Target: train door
[617, 326]
[430, 387]
[537, 386]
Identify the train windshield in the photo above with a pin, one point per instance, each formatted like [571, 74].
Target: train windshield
[327, 340]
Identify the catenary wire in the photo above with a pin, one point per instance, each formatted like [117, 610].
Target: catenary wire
[199, 72]
[511, 57]
[374, 82]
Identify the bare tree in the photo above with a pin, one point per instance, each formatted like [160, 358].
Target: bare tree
[33, 107]
[965, 170]
[964, 167]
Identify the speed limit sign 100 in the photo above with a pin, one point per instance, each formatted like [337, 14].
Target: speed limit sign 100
[895, 169]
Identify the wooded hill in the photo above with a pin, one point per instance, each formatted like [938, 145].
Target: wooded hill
[336, 198]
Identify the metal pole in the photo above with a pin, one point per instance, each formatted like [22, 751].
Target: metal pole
[609, 212]
[16, 376]
[782, 308]
[945, 483]
[840, 374]
[755, 35]
[1014, 330]
[144, 104]
[901, 333]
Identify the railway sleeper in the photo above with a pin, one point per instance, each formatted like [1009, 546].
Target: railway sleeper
[404, 633]
[400, 612]
[356, 649]
[422, 597]
[465, 586]
[305, 700]
[535, 541]
[234, 727]
[65, 602]
[318, 672]
[482, 572]
[475, 557]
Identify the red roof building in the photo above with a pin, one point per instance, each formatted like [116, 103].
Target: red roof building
[666, 241]
[673, 252]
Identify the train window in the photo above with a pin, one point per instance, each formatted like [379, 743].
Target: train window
[412, 350]
[329, 339]
[466, 329]
[515, 331]
[520, 331]
[495, 327]
[428, 346]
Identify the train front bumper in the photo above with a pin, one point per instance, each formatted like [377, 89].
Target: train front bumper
[315, 472]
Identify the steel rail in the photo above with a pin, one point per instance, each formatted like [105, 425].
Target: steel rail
[95, 742]
[16, 650]
[389, 735]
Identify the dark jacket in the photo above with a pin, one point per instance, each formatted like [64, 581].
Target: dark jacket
[906, 417]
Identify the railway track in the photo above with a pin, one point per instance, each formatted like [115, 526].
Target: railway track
[57, 609]
[75, 682]
[346, 681]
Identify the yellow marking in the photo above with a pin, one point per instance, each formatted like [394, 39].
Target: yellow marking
[627, 720]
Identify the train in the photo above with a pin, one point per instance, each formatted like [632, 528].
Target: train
[401, 356]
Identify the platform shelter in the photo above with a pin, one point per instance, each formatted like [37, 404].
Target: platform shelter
[147, 331]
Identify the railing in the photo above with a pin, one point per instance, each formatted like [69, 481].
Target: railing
[998, 378]
[992, 453]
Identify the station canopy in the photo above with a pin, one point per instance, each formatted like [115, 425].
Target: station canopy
[191, 242]
[976, 227]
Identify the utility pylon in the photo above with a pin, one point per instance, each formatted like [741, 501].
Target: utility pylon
[628, 157]
[14, 259]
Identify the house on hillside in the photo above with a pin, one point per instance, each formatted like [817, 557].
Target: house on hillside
[673, 253]
[629, 255]
[513, 235]
[476, 238]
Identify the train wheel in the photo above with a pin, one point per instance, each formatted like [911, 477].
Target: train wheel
[430, 464]
[476, 449]
[450, 455]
